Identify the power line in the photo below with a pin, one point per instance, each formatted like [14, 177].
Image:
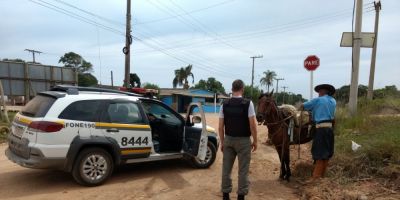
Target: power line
[195, 56]
[177, 58]
[217, 36]
[295, 25]
[91, 13]
[178, 15]
[76, 16]
[33, 53]
[168, 11]
[190, 59]
[250, 36]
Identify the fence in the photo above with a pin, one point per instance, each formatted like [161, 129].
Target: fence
[26, 79]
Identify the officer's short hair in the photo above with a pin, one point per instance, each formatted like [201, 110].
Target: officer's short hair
[237, 85]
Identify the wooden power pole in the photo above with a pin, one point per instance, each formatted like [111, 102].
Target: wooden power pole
[128, 41]
[33, 54]
[252, 75]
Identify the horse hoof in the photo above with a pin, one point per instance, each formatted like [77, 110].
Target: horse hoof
[281, 177]
[287, 178]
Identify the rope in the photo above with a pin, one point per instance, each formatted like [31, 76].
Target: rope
[300, 127]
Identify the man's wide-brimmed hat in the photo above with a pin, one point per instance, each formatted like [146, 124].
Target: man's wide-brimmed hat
[330, 88]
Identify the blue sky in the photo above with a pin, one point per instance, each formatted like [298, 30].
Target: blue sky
[216, 37]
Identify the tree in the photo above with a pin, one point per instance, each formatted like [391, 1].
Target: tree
[268, 79]
[342, 94]
[13, 60]
[76, 61]
[87, 79]
[211, 84]
[387, 91]
[151, 86]
[181, 77]
[289, 98]
[256, 93]
[134, 80]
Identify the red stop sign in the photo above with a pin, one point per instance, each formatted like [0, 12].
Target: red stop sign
[311, 63]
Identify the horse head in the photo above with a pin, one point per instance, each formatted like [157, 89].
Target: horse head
[266, 104]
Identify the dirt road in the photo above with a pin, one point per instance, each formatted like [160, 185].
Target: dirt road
[160, 180]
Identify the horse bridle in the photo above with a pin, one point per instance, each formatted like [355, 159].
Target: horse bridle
[280, 122]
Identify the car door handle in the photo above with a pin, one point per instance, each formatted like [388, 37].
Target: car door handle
[113, 130]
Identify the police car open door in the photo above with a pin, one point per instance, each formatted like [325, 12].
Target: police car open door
[195, 138]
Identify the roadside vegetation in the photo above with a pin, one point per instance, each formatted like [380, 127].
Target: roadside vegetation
[4, 127]
[372, 171]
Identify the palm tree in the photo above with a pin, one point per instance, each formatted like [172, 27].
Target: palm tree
[181, 77]
[268, 79]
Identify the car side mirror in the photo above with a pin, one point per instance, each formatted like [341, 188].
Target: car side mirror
[196, 119]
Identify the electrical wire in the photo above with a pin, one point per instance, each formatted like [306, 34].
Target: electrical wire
[76, 16]
[215, 66]
[91, 13]
[170, 12]
[291, 26]
[81, 18]
[208, 30]
[178, 15]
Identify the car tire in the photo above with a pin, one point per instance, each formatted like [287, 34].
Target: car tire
[210, 157]
[92, 167]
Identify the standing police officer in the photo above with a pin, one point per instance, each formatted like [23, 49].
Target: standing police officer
[323, 114]
[237, 123]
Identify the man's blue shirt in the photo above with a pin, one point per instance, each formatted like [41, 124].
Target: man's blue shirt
[322, 108]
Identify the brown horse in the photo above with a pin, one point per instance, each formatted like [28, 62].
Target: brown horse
[277, 122]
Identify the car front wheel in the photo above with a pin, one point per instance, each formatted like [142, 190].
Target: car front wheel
[209, 159]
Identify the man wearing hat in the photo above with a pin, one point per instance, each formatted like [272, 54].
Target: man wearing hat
[322, 110]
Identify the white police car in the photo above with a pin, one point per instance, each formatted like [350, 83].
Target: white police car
[89, 131]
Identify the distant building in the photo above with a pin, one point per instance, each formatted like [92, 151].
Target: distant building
[179, 99]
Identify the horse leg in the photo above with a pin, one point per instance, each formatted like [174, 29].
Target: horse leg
[287, 164]
[282, 170]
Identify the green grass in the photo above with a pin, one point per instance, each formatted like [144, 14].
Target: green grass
[379, 156]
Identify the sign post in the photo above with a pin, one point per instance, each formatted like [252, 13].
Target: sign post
[311, 63]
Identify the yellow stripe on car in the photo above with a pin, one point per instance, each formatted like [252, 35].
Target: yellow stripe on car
[23, 119]
[60, 122]
[210, 129]
[132, 151]
[129, 126]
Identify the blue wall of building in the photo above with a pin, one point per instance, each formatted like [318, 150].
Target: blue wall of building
[198, 99]
[209, 108]
[167, 100]
[201, 92]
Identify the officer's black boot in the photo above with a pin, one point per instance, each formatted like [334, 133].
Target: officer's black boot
[240, 197]
[226, 196]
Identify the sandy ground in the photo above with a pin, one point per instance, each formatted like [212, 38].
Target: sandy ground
[158, 180]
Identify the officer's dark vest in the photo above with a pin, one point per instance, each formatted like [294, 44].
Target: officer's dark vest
[236, 118]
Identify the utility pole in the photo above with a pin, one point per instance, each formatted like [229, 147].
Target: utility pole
[277, 82]
[128, 41]
[112, 79]
[370, 93]
[33, 54]
[252, 74]
[356, 59]
[283, 94]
